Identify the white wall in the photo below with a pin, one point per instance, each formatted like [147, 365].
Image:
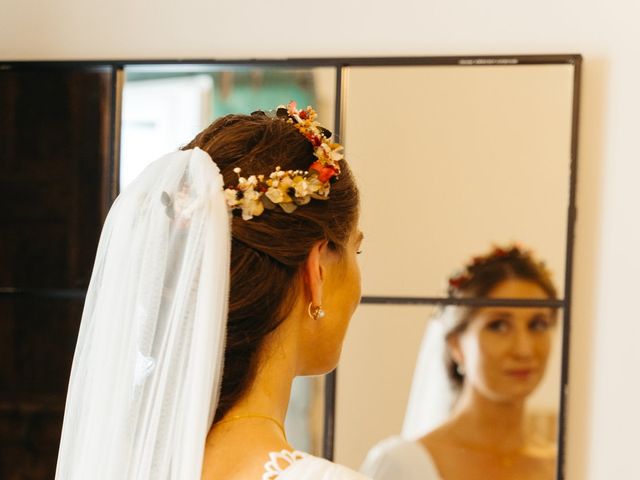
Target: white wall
[603, 421]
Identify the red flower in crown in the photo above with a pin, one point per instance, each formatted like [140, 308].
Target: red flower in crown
[499, 252]
[459, 281]
[325, 172]
[315, 140]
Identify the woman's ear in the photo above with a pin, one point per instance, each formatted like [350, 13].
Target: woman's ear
[453, 344]
[314, 271]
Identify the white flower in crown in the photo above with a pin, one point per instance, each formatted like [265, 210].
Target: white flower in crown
[275, 195]
[252, 206]
[232, 197]
[301, 186]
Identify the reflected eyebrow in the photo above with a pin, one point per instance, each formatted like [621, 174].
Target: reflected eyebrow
[361, 236]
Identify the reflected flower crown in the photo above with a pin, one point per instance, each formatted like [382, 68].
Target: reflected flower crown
[290, 189]
[463, 278]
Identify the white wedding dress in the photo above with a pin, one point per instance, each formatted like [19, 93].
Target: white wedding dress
[297, 465]
[398, 459]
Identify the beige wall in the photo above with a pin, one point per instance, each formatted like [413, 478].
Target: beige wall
[603, 418]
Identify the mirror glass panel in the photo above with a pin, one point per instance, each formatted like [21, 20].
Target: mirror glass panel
[452, 159]
[376, 373]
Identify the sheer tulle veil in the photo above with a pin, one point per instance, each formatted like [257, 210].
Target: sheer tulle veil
[148, 361]
[432, 395]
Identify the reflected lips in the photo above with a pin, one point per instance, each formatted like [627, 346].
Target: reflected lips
[521, 373]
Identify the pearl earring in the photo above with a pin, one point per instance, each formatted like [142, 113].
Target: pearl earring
[317, 313]
[460, 370]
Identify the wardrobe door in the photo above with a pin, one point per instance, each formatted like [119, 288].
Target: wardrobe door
[55, 186]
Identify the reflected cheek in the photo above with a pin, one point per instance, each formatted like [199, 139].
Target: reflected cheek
[492, 354]
[494, 348]
[543, 349]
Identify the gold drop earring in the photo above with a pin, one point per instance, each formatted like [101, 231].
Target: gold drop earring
[316, 313]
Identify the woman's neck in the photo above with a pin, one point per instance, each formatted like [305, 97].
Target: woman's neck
[271, 388]
[267, 396]
[493, 425]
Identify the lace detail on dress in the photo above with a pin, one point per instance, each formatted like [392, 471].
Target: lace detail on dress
[279, 462]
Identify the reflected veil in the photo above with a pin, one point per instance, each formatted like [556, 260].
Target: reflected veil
[432, 395]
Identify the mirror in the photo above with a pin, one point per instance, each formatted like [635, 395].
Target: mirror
[165, 106]
[451, 155]
[450, 160]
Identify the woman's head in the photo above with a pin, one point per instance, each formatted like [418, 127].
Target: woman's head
[500, 351]
[270, 252]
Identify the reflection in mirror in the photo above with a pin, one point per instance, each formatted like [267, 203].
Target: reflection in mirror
[475, 374]
[165, 106]
[449, 158]
[394, 386]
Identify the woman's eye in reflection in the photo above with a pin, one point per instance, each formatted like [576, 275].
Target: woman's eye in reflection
[499, 325]
[539, 324]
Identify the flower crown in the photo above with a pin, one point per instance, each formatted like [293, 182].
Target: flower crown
[462, 279]
[290, 188]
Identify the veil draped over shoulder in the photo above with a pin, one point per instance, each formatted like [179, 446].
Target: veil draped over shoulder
[432, 396]
[148, 362]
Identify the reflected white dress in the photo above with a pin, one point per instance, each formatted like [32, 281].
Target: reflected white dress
[398, 459]
[297, 465]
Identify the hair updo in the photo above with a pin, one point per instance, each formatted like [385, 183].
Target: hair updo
[268, 251]
[479, 279]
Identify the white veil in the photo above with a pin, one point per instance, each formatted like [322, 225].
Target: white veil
[432, 395]
[148, 362]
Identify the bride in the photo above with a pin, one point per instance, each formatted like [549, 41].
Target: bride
[223, 271]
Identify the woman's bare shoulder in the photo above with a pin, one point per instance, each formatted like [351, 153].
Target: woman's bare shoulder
[441, 437]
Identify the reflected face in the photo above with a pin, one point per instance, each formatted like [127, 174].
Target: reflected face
[341, 296]
[504, 351]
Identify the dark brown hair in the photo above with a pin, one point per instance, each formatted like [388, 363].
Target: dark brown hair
[268, 251]
[481, 278]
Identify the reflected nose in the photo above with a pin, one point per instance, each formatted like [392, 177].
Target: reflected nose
[522, 344]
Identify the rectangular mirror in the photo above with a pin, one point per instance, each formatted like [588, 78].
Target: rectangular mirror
[451, 154]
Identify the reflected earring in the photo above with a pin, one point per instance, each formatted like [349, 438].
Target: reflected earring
[317, 313]
[460, 370]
